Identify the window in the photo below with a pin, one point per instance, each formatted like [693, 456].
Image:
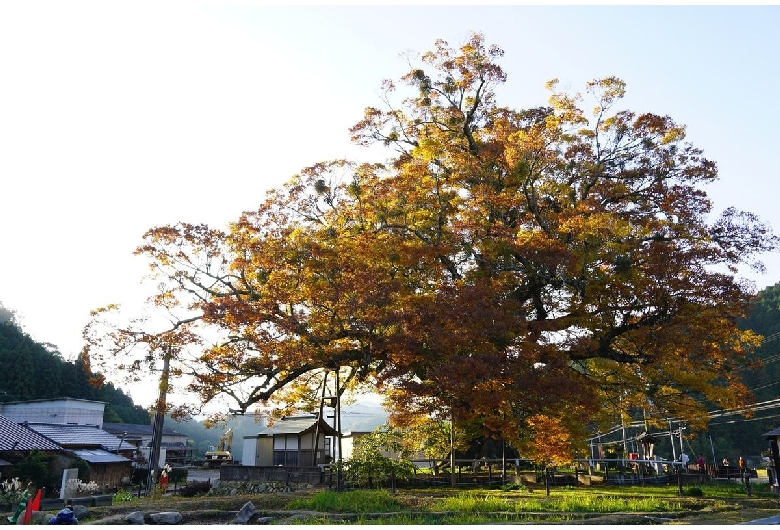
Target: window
[286, 450]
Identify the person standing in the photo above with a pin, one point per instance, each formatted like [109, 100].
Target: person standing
[701, 465]
[742, 468]
[684, 459]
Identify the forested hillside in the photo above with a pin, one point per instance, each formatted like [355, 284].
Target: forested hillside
[764, 379]
[31, 371]
[732, 433]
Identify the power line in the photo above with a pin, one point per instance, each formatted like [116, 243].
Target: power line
[718, 414]
[770, 338]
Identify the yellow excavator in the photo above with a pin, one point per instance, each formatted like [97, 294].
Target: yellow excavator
[221, 454]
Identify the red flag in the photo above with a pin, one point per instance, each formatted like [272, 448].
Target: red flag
[35, 504]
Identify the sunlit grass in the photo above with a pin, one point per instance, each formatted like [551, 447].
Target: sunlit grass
[363, 501]
[575, 502]
[437, 506]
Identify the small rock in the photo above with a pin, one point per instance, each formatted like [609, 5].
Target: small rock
[80, 511]
[166, 518]
[245, 513]
[135, 518]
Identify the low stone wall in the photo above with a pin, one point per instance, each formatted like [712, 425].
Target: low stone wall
[52, 504]
[291, 475]
[92, 500]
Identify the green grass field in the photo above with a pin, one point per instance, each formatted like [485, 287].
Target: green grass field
[443, 506]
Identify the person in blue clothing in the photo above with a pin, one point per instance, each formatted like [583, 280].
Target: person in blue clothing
[64, 516]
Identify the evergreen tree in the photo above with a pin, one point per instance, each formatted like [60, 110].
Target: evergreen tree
[742, 434]
[35, 371]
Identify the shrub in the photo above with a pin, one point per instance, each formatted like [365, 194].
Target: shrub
[514, 487]
[373, 469]
[89, 488]
[694, 492]
[83, 467]
[11, 491]
[194, 488]
[139, 475]
[178, 474]
[123, 495]
[35, 468]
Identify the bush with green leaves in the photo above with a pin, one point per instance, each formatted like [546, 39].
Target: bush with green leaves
[371, 464]
[178, 475]
[11, 491]
[195, 488]
[83, 467]
[123, 495]
[36, 468]
[139, 475]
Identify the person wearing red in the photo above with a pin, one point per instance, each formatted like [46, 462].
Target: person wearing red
[742, 468]
[701, 465]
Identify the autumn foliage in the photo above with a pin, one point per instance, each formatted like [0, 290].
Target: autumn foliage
[532, 270]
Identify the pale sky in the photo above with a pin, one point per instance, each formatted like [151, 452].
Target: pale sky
[117, 117]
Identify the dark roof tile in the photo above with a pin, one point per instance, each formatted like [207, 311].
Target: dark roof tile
[15, 437]
[298, 425]
[72, 436]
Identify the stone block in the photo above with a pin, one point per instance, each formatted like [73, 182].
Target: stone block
[166, 518]
[103, 500]
[52, 504]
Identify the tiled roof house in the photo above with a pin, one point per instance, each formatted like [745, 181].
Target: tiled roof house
[290, 442]
[15, 437]
[107, 455]
[81, 436]
[97, 447]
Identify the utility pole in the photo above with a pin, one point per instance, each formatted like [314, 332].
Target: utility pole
[319, 419]
[713, 450]
[452, 448]
[671, 437]
[625, 445]
[337, 421]
[503, 461]
[682, 449]
[338, 412]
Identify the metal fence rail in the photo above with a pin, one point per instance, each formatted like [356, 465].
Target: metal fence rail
[474, 473]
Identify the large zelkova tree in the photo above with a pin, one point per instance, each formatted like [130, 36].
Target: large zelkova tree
[559, 264]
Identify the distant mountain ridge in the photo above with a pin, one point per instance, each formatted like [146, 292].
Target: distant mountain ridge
[31, 371]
